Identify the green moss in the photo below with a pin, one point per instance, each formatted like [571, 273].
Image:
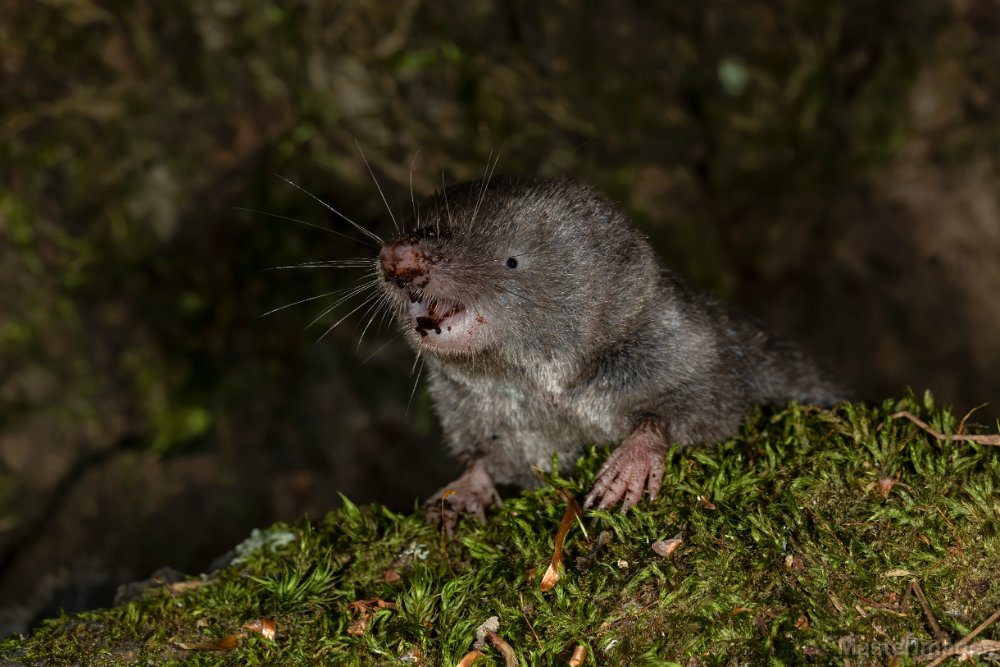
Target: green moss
[800, 556]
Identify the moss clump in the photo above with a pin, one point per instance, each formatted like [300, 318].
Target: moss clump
[790, 552]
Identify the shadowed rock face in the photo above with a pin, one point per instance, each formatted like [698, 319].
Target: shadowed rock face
[830, 170]
[899, 285]
[912, 282]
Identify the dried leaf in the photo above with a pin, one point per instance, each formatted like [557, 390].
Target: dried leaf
[579, 655]
[185, 586]
[390, 576]
[897, 573]
[706, 503]
[370, 606]
[802, 623]
[365, 609]
[266, 627]
[491, 624]
[666, 548]
[414, 655]
[509, 658]
[551, 576]
[357, 627]
[885, 485]
[549, 579]
[794, 563]
[224, 644]
[469, 658]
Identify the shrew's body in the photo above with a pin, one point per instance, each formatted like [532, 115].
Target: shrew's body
[548, 324]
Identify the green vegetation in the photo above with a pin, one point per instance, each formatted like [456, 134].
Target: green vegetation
[791, 550]
[829, 168]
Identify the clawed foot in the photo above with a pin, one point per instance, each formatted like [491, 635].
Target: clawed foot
[469, 495]
[635, 465]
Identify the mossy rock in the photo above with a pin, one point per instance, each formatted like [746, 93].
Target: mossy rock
[792, 552]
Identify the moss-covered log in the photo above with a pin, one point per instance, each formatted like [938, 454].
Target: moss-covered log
[813, 536]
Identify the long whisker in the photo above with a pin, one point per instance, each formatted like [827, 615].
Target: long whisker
[415, 361]
[338, 322]
[413, 200]
[374, 309]
[303, 222]
[486, 184]
[381, 347]
[354, 292]
[482, 190]
[415, 381]
[306, 300]
[386, 314]
[513, 293]
[361, 261]
[377, 186]
[372, 235]
[447, 207]
[329, 264]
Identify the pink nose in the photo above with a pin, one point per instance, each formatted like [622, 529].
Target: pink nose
[402, 262]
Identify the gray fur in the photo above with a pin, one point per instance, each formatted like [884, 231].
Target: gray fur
[589, 336]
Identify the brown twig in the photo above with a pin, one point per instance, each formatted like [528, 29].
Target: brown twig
[935, 628]
[961, 424]
[530, 626]
[906, 597]
[963, 643]
[991, 440]
[158, 579]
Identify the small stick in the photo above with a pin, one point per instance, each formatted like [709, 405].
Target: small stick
[906, 596]
[961, 424]
[158, 579]
[964, 641]
[991, 440]
[935, 628]
[530, 626]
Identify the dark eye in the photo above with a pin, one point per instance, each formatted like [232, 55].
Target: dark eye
[512, 262]
[429, 233]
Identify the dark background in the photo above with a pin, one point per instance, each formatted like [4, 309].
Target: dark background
[830, 168]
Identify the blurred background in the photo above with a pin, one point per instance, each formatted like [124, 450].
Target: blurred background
[829, 168]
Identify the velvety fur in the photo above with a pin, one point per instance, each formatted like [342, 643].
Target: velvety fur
[587, 336]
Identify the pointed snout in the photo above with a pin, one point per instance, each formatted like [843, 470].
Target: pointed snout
[403, 262]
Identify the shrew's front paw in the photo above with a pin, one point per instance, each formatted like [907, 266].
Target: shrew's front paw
[469, 495]
[635, 465]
